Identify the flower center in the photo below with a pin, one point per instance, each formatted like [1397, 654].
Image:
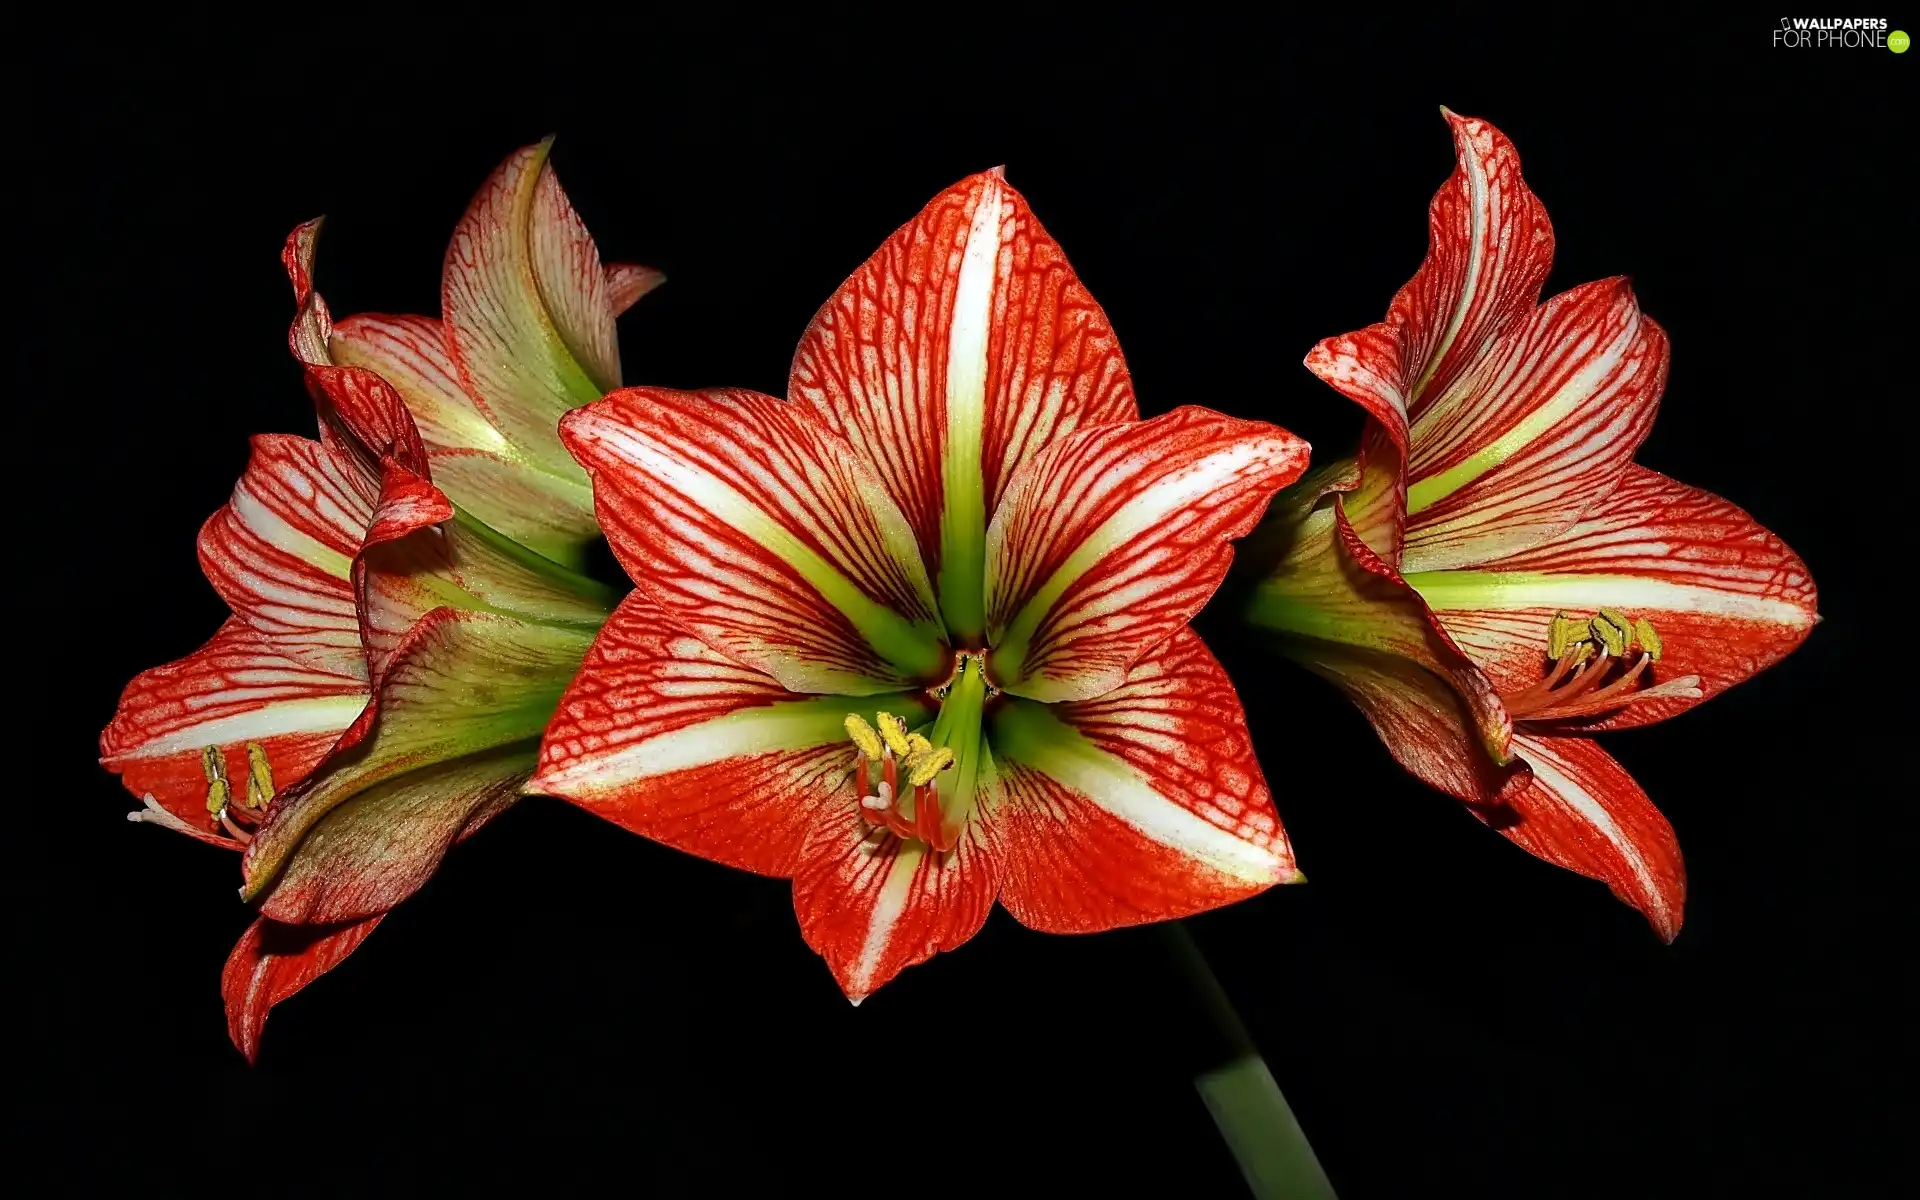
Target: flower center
[919, 786]
[1585, 653]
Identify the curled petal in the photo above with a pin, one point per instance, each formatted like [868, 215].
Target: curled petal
[1489, 249]
[527, 308]
[273, 961]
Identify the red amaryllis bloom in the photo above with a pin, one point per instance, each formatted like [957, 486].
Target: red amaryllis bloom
[916, 636]
[403, 620]
[1493, 580]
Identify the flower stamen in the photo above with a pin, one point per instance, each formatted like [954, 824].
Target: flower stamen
[1583, 654]
[909, 765]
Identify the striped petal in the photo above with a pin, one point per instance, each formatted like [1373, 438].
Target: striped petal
[963, 346]
[873, 905]
[483, 472]
[528, 310]
[281, 552]
[238, 689]
[1489, 248]
[1342, 611]
[1727, 598]
[1111, 538]
[1582, 811]
[665, 736]
[463, 684]
[1542, 429]
[765, 533]
[1142, 805]
[273, 961]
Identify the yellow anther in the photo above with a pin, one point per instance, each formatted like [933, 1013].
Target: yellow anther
[259, 776]
[894, 731]
[1563, 634]
[919, 745]
[1648, 639]
[923, 769]
[213, 765]
[1609, 635]
[864, 737]
[1618, 620]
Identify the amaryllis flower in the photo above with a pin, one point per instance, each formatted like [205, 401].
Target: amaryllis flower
[1493, 579]
[916, 636]
[403, 618]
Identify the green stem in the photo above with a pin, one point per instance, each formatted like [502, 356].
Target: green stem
[1248, 1109]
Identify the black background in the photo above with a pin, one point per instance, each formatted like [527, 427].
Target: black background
[568, 1006]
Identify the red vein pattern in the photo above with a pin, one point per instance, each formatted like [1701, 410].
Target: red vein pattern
[873, 905]
[572, 285]
[279, 552]
[504, 255]
[643, 445]
[1162, 498]
[873, 362]
[1662, 532]
[1582, 811]
[237, 688]
[1068, 865]
[1587, 356]
[1489, 248]
[645, 678]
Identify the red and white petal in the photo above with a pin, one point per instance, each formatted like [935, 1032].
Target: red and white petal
[281, 552]
[1726, 597]
[239, 688]
[273, 961]
[526, 306]
[872, 904]
[312, 324]
[1113, 537]
[379, 847]
[627, 282]
[461, 684]
[1142, 805]
[963, 346]
[663, 735]
[1538, 433]
[411, 354]
[1334, 601]
[1585, 813]
[1489, 248]
[764, 533]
